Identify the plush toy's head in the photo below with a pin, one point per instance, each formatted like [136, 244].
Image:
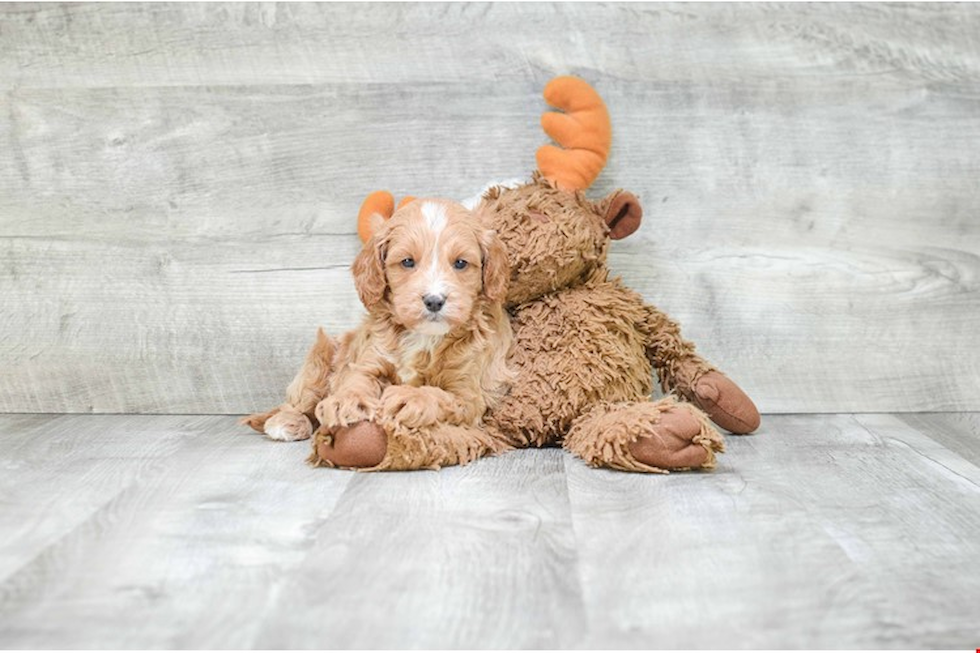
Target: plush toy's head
[555, 238]
[554, 235]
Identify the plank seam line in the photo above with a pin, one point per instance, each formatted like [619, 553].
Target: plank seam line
[893, 439]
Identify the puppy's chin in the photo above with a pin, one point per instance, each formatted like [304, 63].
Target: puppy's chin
[431, 328]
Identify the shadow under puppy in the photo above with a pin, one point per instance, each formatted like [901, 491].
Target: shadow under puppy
[427, 361]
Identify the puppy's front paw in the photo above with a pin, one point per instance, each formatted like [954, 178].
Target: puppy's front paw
[411, 406]
[345, 409]
[288, 426]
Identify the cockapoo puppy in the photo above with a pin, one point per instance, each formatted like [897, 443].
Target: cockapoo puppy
[430, 357]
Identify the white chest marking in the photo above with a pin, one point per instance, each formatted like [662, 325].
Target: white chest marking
[413, 345]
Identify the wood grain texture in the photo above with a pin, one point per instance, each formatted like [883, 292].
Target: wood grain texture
[831, 531]
[188, 552]
[955, 431]
[81, 464]
[481, 556]
[178, 184]
[823, 531]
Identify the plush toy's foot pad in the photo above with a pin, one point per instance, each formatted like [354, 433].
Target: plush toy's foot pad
[726, 404]
[672, 444]
[363, 444]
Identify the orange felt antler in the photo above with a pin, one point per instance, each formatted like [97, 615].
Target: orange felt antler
[376, 208]
[583, 130]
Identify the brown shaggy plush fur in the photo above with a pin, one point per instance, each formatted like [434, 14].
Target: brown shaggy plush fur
[585, 346]
[627, 434]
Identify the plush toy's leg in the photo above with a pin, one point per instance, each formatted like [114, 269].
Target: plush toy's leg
[645, 437]
[682, 370]
[519, 419]
[370, 446]
[295, 419]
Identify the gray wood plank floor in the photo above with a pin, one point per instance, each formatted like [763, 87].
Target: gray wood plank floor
[822, 531]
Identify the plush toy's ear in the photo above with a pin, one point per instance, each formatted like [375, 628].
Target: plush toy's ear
[369, 269]
[622, 213]
[496, 272]
[583, 130]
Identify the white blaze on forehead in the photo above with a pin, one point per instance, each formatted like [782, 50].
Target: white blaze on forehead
[435, 220]
[435, 216]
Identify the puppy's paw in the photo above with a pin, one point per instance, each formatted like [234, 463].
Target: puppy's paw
[345, 409]
[414, 407]
[288, 426]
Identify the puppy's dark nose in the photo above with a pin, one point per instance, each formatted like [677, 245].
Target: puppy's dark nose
[434, 302]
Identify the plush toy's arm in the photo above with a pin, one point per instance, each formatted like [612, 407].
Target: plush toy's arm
[683, 371]
[675, 359]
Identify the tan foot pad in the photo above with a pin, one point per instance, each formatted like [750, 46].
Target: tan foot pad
[670, 447]
[361, 445]
[726, 404]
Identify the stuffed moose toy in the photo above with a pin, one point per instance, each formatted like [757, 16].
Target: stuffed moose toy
[585, 347]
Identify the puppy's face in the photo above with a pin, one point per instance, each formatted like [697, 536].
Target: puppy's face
[431, 263]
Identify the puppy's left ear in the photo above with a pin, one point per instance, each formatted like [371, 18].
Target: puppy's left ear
[496, 270]
[369, 270]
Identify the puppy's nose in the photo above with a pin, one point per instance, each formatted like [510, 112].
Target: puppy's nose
[434, 302]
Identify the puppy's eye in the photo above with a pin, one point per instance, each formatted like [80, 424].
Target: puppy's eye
[408, 263]
[460, 264]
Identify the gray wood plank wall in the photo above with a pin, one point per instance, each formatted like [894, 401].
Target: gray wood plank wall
[178, 184]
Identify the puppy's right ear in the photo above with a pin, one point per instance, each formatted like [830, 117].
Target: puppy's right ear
[369, 269]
